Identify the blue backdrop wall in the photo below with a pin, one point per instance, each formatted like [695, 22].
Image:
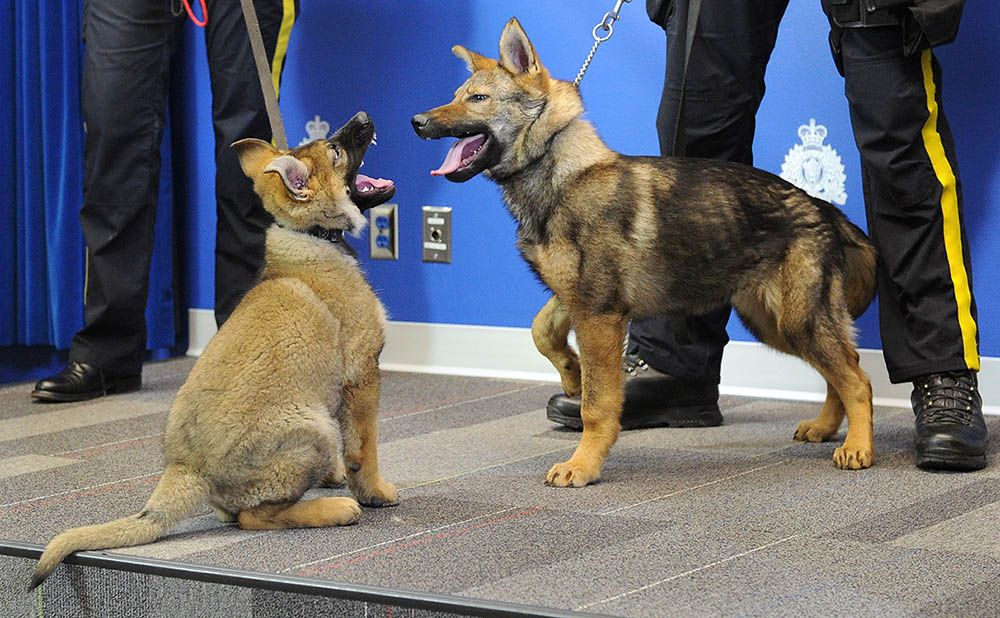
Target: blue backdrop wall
[392, 59]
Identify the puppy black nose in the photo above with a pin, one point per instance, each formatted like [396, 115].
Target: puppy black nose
[420, 122]
[362, 117]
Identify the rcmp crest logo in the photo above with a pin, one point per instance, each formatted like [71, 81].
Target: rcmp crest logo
[815, 167]
[316, 128]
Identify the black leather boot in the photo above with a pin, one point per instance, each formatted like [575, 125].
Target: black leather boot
[80, 381]
[950, 431]
[652, 399]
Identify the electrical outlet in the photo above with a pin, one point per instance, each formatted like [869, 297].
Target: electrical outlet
[383, 236]
[437, 234]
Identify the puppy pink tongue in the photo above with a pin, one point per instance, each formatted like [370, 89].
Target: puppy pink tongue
[459, 152]
[363, 182]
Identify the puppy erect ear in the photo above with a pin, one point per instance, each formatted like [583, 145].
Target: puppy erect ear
[294, 173]
[258, 156]
[473, 61]
[254, 154]
[517, 54]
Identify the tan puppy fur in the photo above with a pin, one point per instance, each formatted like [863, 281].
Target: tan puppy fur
[292, 373]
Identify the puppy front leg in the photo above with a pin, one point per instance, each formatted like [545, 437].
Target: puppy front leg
[600, 340]
[550, 330]
[359, 428]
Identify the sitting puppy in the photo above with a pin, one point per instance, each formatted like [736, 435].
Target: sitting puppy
[254, 425]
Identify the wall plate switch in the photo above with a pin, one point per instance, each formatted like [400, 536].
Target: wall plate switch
[383, 233]
[437, 234]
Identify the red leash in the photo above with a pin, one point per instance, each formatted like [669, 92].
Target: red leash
[194, 18]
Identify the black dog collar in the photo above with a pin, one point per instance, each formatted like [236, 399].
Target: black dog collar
[334, 237]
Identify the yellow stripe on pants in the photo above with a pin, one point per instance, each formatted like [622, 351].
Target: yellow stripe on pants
[284, 34]
[86, 275]
[949, 210]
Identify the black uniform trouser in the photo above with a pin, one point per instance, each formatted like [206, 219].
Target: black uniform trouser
[912, 193]
[126, 75]
[913, 201]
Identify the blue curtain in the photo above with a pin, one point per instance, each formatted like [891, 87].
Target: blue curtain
[43, 260]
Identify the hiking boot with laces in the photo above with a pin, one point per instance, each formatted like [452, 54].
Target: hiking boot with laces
[950, 430]
[652, 399]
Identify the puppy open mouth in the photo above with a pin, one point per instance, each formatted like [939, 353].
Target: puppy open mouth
[463, 154]
[366, 185]
[356, 137]
[367, 192]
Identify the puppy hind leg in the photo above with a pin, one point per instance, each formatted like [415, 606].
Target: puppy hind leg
[316, 513]
[223, 515]
[337, 474]
[831, 352]
[337, 477]
[813, 320]
[550, 330]
[279, 465]
[273, 501]
[858, 449]
[760, 316]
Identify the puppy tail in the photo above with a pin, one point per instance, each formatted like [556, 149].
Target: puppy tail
[177, 494]
[860, 256]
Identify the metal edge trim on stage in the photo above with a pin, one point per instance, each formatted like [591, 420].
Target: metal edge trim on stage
[249, 579]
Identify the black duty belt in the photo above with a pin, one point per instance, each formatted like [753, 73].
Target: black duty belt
[864, 13]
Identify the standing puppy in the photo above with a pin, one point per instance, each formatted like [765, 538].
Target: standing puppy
[255, 424]
[617, 237]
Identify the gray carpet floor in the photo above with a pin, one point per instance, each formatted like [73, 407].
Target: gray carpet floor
[733, 520]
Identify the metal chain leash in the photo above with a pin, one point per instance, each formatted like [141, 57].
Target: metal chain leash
[607, 24]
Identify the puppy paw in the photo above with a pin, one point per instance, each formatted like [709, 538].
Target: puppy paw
[224, 516]
[337, 477]
[850, 458]
[380, 493]
[571, 381]
[572, 389]
[342, 511]
[570, 474]
[811, 431]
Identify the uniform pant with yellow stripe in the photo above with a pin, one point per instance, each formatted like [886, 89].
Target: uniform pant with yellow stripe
[913, 200]
[126, 76]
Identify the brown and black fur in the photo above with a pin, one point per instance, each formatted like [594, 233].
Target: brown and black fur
[287, 391]
[618, 237]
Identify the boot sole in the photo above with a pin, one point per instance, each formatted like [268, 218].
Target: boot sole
[707, 415]
[125, 385]
[945, 460]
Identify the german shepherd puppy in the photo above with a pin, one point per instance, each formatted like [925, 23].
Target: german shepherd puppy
[617, 237]
[254, 425]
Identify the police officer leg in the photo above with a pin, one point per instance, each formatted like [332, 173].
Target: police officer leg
[913, 198]
[238, 111]
[673, 362]
[125, 79]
